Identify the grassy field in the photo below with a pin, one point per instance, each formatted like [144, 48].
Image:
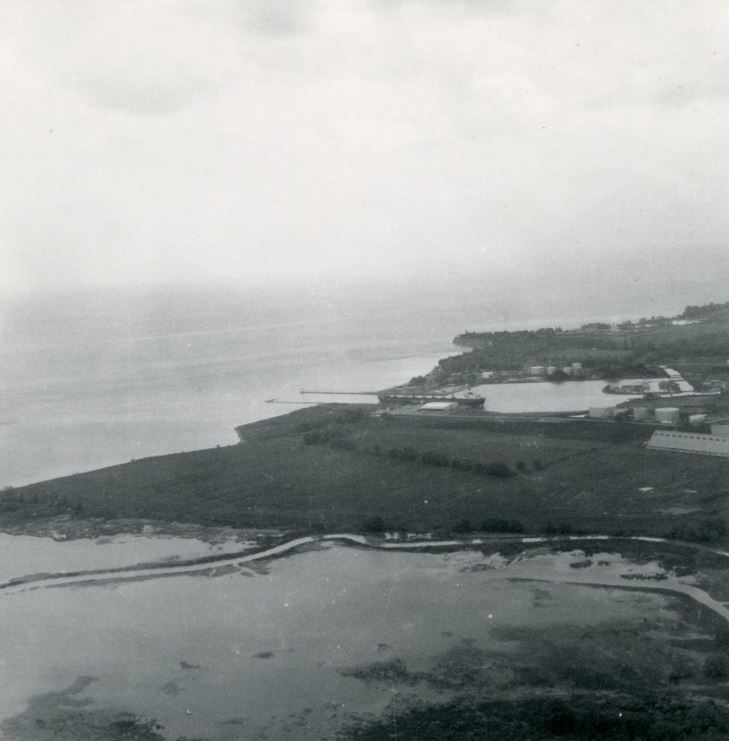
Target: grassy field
[274, 479]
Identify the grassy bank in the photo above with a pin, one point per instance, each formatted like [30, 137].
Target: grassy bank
[573, 477]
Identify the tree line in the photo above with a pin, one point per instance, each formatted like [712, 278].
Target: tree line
[433, 458]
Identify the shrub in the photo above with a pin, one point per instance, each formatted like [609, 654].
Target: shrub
[313, 438]
[704, 532]
[558, 717]
[462, 464]
[463, 526]
[494, 525]
[721, 639]
[343, 442]
[521, 466]
[561, 528]
[435, 459]
[375, 525]
[351, 415]
[498, 469]
[715, 667]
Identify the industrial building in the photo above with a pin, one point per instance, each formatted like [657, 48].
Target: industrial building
[668, 415]
[689, 442]
[696, 420]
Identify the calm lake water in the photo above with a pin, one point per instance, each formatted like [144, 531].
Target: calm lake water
[568, 396]
[99, 381]
[264, 652]
[93, 380]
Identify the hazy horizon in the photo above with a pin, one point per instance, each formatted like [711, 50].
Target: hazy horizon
[464, 307]
[359, 179]
[567, 153]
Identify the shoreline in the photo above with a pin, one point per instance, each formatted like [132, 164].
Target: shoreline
[209, 565]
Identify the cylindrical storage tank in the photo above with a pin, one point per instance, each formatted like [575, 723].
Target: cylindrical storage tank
[668, 415]
[567, 369]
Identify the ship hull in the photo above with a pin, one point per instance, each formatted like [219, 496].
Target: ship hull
[469, 402]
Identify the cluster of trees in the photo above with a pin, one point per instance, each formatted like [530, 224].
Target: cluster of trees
[643, 322]
[331, 430]
[614, 367]
[598, 326]
[490, 525]
[509, 350]
[704, 310]
[404, 454]
[348, 416]
[14, 501]
[336, 437]
[417, 381]
[432, 458]
[559, 528]
[707, 531]
[377, 525]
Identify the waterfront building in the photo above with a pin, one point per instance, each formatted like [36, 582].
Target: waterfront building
[668, 415]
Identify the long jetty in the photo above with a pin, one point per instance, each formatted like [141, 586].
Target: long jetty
[341, 393]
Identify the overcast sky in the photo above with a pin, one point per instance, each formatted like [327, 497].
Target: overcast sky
[267, 142]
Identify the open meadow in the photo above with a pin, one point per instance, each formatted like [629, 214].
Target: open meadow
[327, 469]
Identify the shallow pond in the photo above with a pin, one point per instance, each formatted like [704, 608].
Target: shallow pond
[265, 650]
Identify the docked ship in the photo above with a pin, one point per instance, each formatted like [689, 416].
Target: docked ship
[465, 399]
